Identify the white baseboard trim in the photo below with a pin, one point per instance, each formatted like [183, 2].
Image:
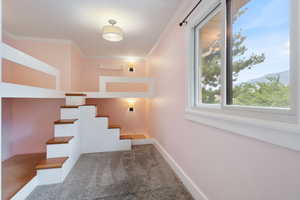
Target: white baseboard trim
[26, 190]
[186, 180]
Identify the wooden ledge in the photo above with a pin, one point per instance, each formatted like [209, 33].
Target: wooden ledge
[17, 171]
[132, 137]
[89, 105]
[65, 121]
[51, 163]
[75, 94]
[114, 126]
[60, 140]
[66, 106]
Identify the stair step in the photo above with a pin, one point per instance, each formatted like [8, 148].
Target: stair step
[17, 171]
[114, 126]
[66, 106]
[60, 140]
[75, 94]
[65, 121]
[52, 163]
[132, 137]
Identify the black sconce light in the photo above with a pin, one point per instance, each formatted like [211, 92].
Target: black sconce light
[131, 67]
[131, 105]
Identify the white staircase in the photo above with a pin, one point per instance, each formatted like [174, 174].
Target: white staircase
[98, 136]
[78, 131]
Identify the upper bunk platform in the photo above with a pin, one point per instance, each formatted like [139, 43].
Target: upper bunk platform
[10, 90]
[108, 85]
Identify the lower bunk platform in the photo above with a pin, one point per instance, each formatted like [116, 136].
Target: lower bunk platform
[17, 171]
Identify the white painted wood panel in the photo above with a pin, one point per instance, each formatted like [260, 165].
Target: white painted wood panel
[27, 189]
[61, 150]
[75, 100]
[65, 130]
[69, 113]
[95, 135]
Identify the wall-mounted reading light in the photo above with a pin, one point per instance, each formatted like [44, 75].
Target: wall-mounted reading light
[131, 105]
[131, 67]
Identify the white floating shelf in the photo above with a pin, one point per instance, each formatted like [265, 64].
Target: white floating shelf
[115, 68]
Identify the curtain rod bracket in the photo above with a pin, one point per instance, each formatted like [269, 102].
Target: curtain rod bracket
[184, 21]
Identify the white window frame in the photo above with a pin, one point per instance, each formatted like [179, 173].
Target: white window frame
[212, 13]
[278, 126]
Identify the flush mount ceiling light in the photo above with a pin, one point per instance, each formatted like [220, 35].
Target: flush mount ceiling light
[111, 32]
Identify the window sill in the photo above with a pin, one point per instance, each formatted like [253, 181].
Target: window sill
[278, 133]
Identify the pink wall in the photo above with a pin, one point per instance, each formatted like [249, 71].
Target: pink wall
[127, 87]
[117, 110]
[76, 68]
[28, 124]
[5, 129]
[54, 53]
[225, 166]
[18, 74]
[91, 72]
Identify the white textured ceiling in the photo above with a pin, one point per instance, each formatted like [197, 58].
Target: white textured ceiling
[81, 21]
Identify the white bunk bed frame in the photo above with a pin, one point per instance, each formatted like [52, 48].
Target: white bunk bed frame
[11, 90]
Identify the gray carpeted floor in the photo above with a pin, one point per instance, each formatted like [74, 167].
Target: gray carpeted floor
[140, 174]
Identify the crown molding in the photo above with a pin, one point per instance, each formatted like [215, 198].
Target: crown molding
[181, 11]
[50, 40]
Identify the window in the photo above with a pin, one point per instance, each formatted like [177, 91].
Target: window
[256, 69]
[258, 60]
[245, 72]
[208, 37]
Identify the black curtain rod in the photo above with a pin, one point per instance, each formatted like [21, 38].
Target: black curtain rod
[184, 20]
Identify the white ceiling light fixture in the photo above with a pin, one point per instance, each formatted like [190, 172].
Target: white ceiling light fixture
[111, 32]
